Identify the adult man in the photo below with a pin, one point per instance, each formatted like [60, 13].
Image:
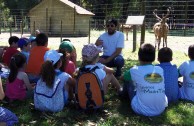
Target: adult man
[112, 43]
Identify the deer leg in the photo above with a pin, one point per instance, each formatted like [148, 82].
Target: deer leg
[159, 40]
[127, 35]
[166, 41]
[156, 41]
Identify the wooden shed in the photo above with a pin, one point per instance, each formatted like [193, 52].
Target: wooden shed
[60, 17]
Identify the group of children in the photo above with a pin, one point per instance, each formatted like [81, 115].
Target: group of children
[152, 87]
[48, 76]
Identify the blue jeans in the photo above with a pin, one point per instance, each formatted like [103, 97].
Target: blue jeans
[117, 62]
[129, 89]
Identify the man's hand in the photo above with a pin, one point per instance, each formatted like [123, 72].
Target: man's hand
[99, 42]
[103, 61]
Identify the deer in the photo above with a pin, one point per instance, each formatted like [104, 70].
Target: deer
[126, 28]
[161, 29]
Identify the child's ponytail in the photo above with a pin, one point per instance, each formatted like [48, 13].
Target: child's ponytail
[13, 70]
[47, 73]
[17, 61]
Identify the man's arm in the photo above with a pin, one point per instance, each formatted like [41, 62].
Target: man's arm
[98, 42]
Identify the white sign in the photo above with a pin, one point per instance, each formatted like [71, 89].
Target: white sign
[135, 20]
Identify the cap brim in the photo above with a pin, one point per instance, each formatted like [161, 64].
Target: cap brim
[61, 54]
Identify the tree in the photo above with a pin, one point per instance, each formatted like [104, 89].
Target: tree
[4, 14]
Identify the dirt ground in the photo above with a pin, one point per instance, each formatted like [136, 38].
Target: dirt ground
[176, 43]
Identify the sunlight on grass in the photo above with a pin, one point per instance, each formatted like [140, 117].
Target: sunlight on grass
[181, 113]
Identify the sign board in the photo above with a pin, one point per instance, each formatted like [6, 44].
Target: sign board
[135, 20]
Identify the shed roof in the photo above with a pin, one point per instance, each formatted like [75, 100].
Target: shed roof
[79, 10]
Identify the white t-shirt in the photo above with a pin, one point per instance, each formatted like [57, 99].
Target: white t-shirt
[150, 98]
[100, 72]
[186, 69]
[112, 42]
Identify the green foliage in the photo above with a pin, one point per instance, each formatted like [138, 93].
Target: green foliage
[4, 13]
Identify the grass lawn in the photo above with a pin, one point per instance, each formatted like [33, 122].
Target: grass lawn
[117, 111]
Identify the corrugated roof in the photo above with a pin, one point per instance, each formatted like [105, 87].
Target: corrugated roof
[78, 9]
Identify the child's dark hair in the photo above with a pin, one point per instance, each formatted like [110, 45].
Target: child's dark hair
[67, 40]
[17, 61]
[13, 39]
[146, 53]
[165, 55]
[41, 39]
[191, 52]
[63, 58]
[47, 72]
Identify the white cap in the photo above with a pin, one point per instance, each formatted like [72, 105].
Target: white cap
[52, 55]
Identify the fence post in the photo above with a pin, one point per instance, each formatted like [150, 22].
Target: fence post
[47, 21]
[10, 28]
[0, 21]
[34, 27]
[15, 22]
[186, 18]
[61, 30]
[122, 25]
[106, 13]
[74, 20]
[134, 37]
[22, 30]
[143, 25]
[89, 32]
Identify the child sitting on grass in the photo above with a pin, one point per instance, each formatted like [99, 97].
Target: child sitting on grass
[186, 70]
[51, 92]
[148, 82]
[36, 58]
[170, 74]
[90, 57]
[11, 50]
[68, 66]
[7, 118]
[25, 47]
[18, 80]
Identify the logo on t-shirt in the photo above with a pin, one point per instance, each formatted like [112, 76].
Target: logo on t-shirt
[153, 78]
[192, 75]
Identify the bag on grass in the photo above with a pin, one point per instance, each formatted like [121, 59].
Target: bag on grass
[89, 91]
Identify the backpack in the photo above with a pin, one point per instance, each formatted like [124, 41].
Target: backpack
[89, 92]
[46, 99]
